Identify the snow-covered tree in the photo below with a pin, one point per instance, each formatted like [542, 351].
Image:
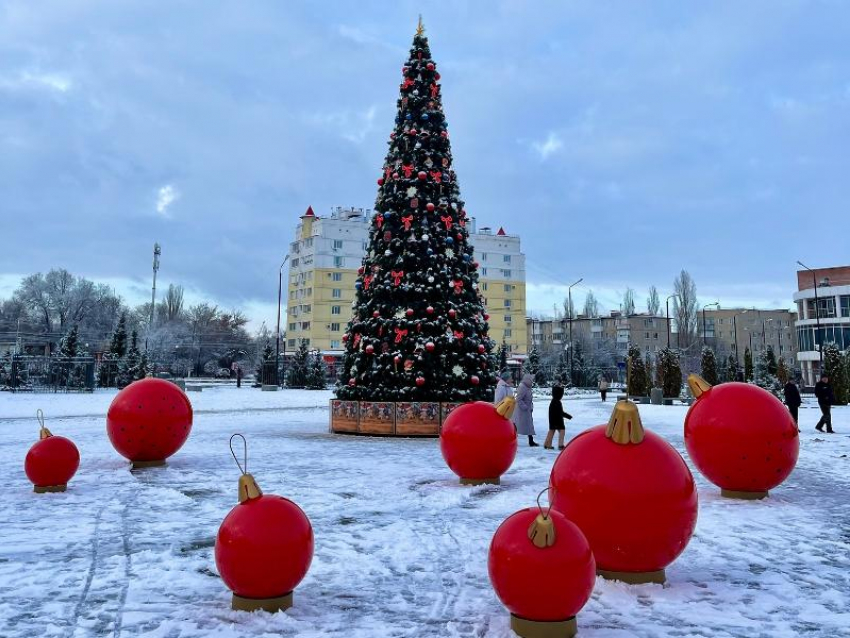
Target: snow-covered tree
[669, 372]
[264, 372]
[732, 368]
[708, 366]
[628, 302]
[118, 343]
[532, 367]
[591, 306]
[131, 366]
[503, 357]
[638, 383]
[70, 343]
[648, 366]
[653, 303]
[685, 308]
[763, 377]
[772, 365]
[782, 372]
[834, 367]
[316, 372]
[748, 365]
[296, 373]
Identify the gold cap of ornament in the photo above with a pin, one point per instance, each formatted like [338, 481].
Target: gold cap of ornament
[698, 385]
[248, 488]
[541, 532]
[625, 426]
[506, 407]
[43, 433]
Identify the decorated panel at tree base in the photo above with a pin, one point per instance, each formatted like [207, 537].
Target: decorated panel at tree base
[345, 416]
[417, 418]
[377, 417]
[446, 410]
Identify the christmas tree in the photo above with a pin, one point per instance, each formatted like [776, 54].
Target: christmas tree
[317, 373]
[419, 329]
[669, 372]
[532, 367]
[296, 375]
[638, 383]
[732, 368]
[748, 365]
[833, 365]
[265, 366]
[70, 343]
[118, 345]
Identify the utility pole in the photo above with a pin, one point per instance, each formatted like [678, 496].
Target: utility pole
[157, 251]
[277, 332]
[570, 310]
[668, 319]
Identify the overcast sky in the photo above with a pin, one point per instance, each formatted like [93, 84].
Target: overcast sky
[623, 141]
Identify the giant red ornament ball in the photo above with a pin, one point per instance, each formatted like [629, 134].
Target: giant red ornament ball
[630, 492]
[148, 421]
[543, 571]
[740, 437]
[51, 462]
[263, 549]
[478, 441]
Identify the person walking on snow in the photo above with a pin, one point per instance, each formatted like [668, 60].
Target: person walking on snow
[603, 387]
[826, 397]
[504, 387]
[238, 376]
[523, 418]
[556, 419]
[792, 398]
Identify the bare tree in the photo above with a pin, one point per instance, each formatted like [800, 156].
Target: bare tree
[629, 302]
[569, 308]
[34, 296]
[591, 306]
[685, 309]
[171, 307]
[653, 303]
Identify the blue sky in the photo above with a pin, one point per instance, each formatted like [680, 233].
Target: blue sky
[623, 141]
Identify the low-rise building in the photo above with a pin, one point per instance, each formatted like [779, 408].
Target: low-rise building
[730, 331]
[823, 316]
[323, 262]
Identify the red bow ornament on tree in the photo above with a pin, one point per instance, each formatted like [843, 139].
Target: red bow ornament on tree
[367, 281]
[408, 169]
[356, 341]
[407, 221]
[458, 284]
[458, 334]
[435, 90]
[387, 172]
[447, 221]
[400, 334]
[397, 275]
[379, 220]
[436, 176]
[406, 84]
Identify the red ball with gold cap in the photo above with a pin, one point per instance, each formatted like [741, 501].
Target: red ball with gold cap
[264, 547]
[148, 421]
[740, 437]
[51, 462]
[478, 441]
[630, 492]
[543, 571]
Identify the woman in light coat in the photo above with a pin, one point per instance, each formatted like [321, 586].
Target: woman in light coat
[603, 387]
[523, 418]
[504, 388]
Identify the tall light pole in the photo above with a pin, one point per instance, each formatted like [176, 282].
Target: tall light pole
[667, 303]
[157, 251]
[716, 303]
[817, 313]
[277, 332]
[735, 331]
[764, 323]
[570, 312]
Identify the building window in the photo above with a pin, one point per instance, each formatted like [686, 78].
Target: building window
[334, 344]
[647, 336]
[305, 325]
[336, 310]
[294, 263]
[506, 273]
[484, 286]
[337, 293]
[508, 287]
[307, 308]
[292, 327]
[507, 303]
[308, 242]
[508, 333]
[309, 292]
[337, 276]
[338, 262]
[334, 327]
[483, 256]
[337, 244]
[290, 343]
[306, 342]
[507, 318]
[845, 305]
[506, 259]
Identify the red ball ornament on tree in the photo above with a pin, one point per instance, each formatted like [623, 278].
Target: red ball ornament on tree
[486, 317]
[370, 349]
[51, 462]
[429, 207]
[263, 549]
[412, 131]
[422, 175]
[430, 346]
[452, 313]
[148, 421]
[345, 337]
[740, 437]
[352, 382]
[430, 310]
[380, 181]
[474, 380]
[376, 314]
[409, 312]
[395, 175]
[478, 441]
[436, 76]
[444, 133]
[630, 493]
[543, 571]
[420, 381]
[430, 66]
[481, 349]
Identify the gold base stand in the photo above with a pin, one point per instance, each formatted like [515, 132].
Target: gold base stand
[745, 496]
[543, 629]
[634, 578]
[486, 481]
[271, 605]
[41, 489]
[140, 465]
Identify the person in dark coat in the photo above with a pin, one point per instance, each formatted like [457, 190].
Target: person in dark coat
[556, 419]
[238, 376]
[826, 397]
[792, 398]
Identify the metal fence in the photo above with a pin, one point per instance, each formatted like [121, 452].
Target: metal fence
[25, 373]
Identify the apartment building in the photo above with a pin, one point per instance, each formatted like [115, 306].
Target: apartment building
[730, 331]
[323, 262]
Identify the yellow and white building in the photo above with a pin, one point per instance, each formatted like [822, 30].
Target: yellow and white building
[323, 263]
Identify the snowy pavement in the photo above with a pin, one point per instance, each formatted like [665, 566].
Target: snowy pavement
[401, 548]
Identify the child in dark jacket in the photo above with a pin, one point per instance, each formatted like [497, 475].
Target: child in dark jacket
[556, 419]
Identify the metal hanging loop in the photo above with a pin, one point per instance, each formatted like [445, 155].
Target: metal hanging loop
[242, 469]
[545, 514]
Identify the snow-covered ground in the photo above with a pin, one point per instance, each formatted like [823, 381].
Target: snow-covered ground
[401, 548]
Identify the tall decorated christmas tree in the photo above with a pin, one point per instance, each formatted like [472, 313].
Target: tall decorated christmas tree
[419, 327]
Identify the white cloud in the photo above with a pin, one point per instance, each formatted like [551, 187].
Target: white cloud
[165, 196]
[550, 145]
[353, 126]
[55, 82]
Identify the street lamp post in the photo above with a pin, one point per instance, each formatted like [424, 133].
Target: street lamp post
[716, 303]
[668, 319]
[817, 312]
[764, 323]
[277, 331]
[570, 312]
